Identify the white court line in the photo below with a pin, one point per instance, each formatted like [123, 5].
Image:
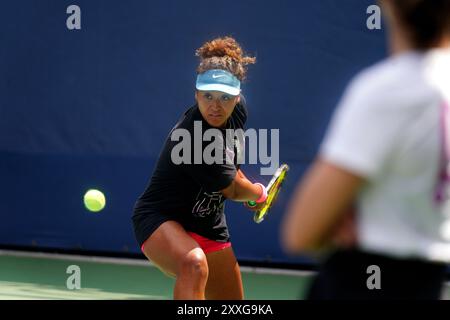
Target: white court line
[139, 262]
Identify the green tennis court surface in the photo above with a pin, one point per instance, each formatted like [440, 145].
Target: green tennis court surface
[25, 277]
[42, 276]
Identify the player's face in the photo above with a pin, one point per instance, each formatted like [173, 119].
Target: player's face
[216, 107]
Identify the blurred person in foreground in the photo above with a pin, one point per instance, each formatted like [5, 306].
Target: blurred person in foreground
[375, 200]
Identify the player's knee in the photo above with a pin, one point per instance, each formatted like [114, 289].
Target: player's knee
[194, 264]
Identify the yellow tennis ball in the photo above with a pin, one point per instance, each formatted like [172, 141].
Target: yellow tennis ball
[94, 200]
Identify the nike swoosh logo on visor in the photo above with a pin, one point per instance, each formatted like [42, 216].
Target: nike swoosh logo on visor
[215, 76]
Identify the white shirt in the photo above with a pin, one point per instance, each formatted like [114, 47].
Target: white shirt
[387, 129]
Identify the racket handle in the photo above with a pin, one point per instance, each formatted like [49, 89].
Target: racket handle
[251, 203]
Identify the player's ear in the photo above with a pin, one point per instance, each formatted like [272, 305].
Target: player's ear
[196, 95]
[238, 99]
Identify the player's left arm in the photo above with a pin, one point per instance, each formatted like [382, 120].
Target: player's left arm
[318, 207]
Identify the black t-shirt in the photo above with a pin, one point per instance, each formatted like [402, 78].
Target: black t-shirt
[190, 193]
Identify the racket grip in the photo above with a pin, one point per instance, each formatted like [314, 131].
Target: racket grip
[251, 203]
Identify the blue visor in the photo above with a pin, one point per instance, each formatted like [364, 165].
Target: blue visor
[218, 80]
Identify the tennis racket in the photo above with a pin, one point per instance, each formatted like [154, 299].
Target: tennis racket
[273, 188]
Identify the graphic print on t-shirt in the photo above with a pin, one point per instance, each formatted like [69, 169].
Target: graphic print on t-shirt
[208, 203]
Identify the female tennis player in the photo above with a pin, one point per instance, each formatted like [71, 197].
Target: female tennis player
[387, 150]
[179, 220]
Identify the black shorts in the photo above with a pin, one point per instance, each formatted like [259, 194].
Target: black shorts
[145, 224]
[345, 275]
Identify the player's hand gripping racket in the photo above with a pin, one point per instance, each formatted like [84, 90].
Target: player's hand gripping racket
[273, 188]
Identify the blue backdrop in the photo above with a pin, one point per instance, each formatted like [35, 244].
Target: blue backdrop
[91, 108]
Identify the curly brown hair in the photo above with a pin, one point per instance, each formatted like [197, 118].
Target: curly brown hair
[226, 54]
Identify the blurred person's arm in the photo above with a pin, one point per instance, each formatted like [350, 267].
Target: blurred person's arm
[319, 213]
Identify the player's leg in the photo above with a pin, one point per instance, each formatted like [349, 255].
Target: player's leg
[224, 280]
[176, 253]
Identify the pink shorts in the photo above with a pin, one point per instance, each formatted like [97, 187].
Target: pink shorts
[206, 244]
